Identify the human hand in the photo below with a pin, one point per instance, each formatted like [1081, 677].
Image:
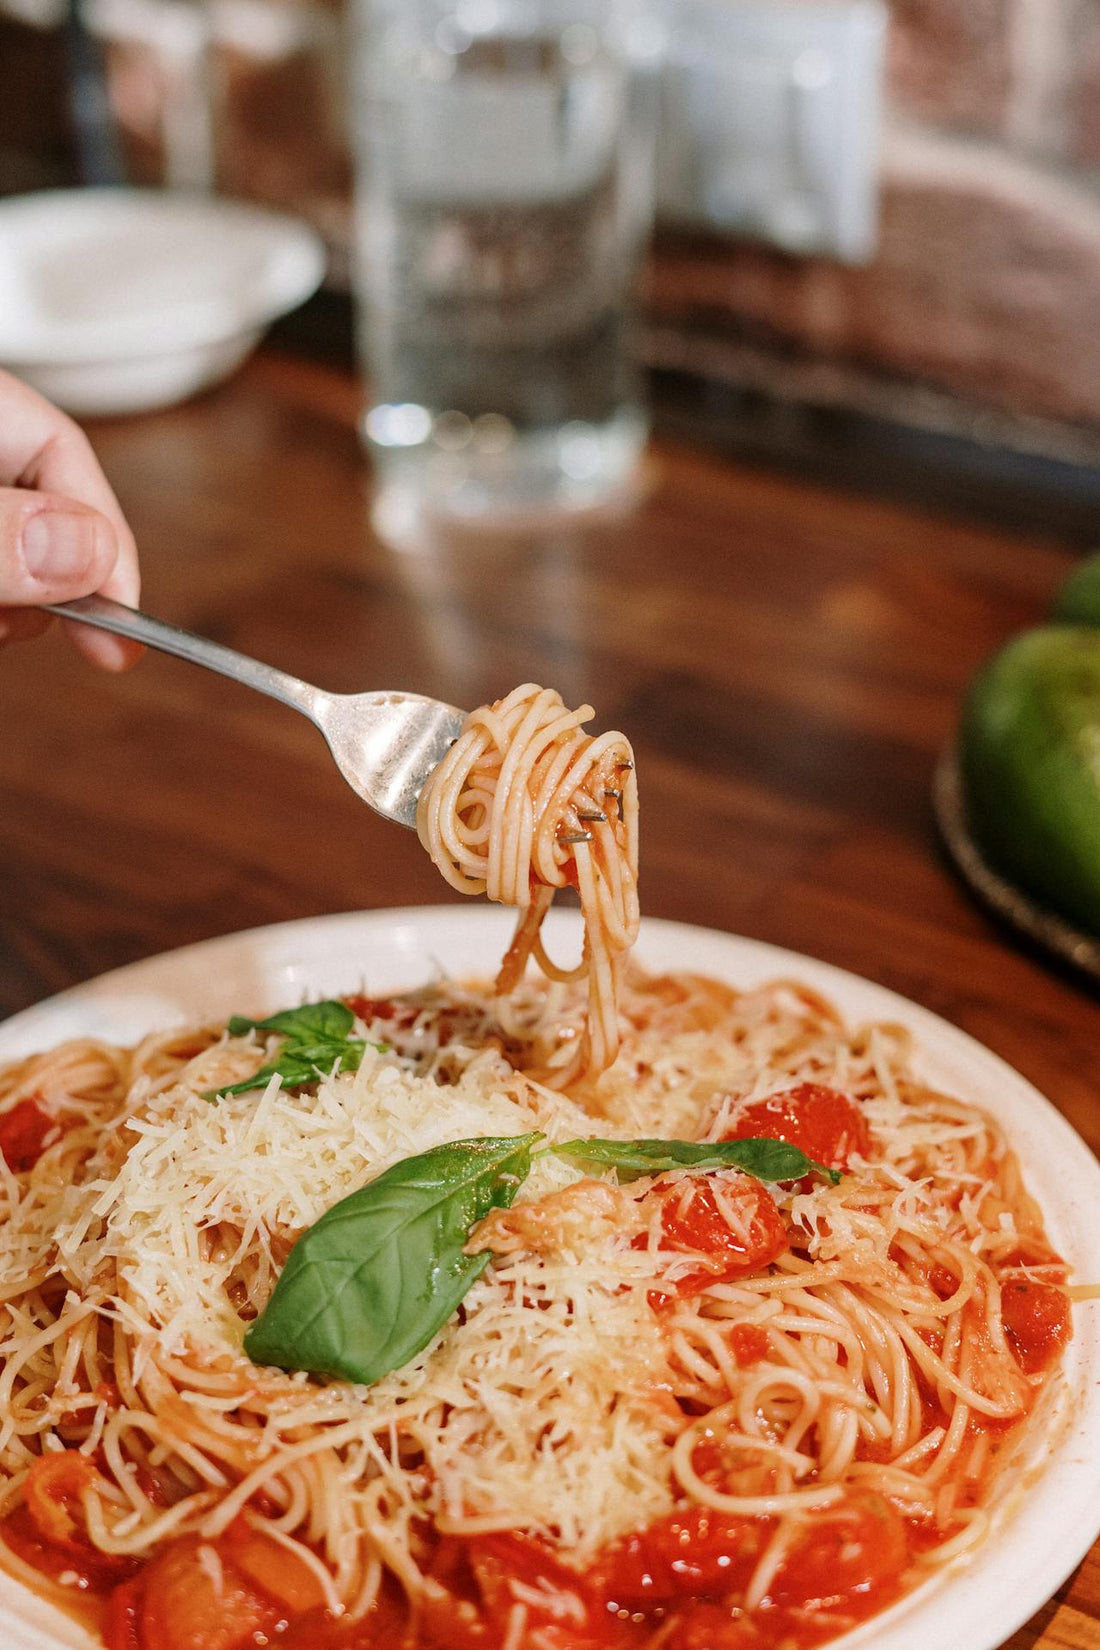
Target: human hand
[62, 533]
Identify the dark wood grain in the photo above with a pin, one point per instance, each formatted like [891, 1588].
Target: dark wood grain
[787, 658]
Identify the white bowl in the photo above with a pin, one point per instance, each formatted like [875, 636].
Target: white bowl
[118, 300]
[1039, 1534]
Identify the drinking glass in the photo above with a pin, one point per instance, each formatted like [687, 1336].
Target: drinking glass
[505, 167]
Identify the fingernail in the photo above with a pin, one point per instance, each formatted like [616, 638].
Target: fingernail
[58, 546]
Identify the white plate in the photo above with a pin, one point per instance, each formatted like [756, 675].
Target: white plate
[117, 300]
[971, 1608]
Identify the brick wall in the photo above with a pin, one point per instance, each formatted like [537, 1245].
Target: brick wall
[985, 290]
[981, 306]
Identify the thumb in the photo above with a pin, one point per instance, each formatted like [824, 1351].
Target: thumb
[51, 548]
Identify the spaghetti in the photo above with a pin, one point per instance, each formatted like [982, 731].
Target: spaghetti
[691, 1412]
[525, 803]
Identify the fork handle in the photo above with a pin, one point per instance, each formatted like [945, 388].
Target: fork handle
[103, 614]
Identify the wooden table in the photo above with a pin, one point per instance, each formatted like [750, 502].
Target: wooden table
[787, 659]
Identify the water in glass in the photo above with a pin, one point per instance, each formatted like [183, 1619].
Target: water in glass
[505, 198]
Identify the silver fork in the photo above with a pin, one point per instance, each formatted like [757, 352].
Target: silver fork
[384, 744]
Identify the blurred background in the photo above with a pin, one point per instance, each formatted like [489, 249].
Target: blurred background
[873, 219]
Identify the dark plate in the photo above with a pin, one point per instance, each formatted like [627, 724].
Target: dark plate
[1048, 930]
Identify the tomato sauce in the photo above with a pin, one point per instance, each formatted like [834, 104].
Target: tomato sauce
[85, 1569]
[683, 1576]
[748, 1343]
[1036, 1321]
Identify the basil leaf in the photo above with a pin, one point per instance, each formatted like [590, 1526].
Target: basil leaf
[324, 1054]
[763, 1158]
[313, 1022]
[299, 1068]
[367, 1286]
[316, 1039]
[295, 1073]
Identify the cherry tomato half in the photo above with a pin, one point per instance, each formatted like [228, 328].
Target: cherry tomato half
[23, 1134]
[732, 1223]
[849, 1556]
[696, 1553]
[825, 1124]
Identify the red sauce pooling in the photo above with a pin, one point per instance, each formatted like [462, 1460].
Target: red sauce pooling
[87, 1570]
[1036, 1321]
[122, 1621]
[685, 1573]
[849, 1558]
[825, 1124]
[748, 1343]
[698, 1553]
